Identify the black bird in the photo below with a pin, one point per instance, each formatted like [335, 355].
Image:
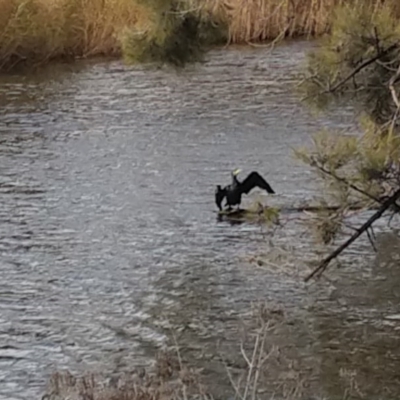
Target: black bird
[233, 192]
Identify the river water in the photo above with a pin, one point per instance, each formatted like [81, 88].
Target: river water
[109, 237]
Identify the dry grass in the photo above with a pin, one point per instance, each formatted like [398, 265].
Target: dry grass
[35, 31]
[169, 379]
[255, 20]
[269, 371]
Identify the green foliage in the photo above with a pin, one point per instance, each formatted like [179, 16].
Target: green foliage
[174, 36]
[368, 162]
[271, 215]
[356, 60]
[331, 151]
[327, 225]
[33, 32]
[360, 171]
[358, 63]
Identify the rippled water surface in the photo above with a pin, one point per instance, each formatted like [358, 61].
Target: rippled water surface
[108, 233]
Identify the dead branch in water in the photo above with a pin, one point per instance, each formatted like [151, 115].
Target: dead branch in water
[364, 228]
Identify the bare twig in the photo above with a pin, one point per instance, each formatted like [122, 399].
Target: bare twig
[347, 183]
[235, 387]
[371, 241]
[245, 355]
[324, 264]
[251, 366]
[178, 353]
[372, 232]
[355, 71]
[354, 187]
[361, 67]
[386, 65]
[391, 218]
[392, 82]
[261, 360]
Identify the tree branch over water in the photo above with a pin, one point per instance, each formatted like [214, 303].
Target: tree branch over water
[354, 187]
[363, 65]
[358, 63]
[364, 228]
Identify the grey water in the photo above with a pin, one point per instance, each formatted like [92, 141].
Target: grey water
[108, 228]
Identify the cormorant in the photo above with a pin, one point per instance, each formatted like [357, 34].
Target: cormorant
[233, 192]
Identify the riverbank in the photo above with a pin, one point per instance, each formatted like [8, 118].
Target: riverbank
[34, 32]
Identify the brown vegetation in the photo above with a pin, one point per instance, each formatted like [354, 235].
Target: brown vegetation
[255, 20]
[35, 31]
[169, 379]
[358, 63]
[265, 370]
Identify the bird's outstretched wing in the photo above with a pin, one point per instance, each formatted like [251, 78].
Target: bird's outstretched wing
[254, 179]
[219, 197]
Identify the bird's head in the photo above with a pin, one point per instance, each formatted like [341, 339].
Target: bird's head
[236, 172]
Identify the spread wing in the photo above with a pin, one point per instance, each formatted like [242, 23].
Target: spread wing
[254, 179]
[219, 197]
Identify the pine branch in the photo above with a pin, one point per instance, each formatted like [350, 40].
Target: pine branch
[360, 68]
[324, 264]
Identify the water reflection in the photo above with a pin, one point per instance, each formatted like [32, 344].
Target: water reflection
[356, 340]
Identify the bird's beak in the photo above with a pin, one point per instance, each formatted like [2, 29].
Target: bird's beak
[236, 172]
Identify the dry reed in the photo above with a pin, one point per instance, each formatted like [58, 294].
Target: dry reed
[258, 20]
[35, 31]
[169, 379]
